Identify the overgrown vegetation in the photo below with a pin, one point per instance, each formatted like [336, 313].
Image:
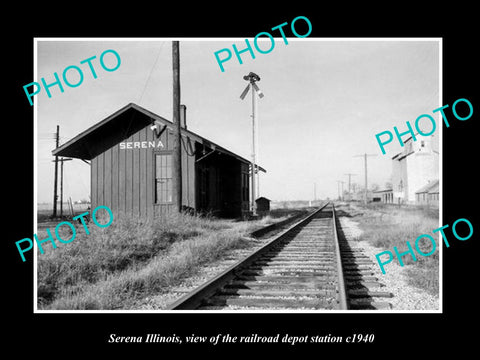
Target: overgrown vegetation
[133, 258]
[386, 226]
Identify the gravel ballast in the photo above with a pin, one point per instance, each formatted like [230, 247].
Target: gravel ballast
[406, 297]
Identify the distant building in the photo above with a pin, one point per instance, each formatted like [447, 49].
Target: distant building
[384, 196]
[414, 168]
[429, 194]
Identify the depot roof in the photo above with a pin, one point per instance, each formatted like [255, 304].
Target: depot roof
[121, 125]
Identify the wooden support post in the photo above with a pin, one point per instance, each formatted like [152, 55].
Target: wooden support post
[177, 146]
[57, 137]
[62, 160]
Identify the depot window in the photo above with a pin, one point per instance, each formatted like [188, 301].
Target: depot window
[163, 178]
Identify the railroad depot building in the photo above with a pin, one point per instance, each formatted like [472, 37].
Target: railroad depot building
[414, 171]
[130, 154]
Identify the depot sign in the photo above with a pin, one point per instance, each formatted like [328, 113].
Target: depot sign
[140, 145]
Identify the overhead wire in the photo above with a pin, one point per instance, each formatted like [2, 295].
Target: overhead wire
[143, 91]
[151, 71]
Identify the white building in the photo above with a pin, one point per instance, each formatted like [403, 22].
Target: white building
[415, 167]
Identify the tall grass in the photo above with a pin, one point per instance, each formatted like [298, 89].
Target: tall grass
[386, 226]
[134, 257]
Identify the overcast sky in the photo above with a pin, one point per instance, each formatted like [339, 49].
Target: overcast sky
[325, 99]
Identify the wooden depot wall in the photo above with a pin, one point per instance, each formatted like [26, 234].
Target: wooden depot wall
[123, 177]
[123, 149]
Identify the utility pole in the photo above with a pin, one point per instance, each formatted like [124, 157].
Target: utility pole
[61, 184]
[177, 146]
[57, 137]
[365, 199]
[340, 194]
[349, 182]
[354, 187]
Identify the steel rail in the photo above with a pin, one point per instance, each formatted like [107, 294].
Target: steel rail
[342, 291]
[194, 299]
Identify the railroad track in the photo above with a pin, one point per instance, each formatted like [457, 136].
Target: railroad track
[302, 268]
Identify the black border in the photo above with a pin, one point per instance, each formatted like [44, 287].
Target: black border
[58, 335]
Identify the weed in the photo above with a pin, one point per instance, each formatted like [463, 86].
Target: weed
[111, 267]
[386, 226]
